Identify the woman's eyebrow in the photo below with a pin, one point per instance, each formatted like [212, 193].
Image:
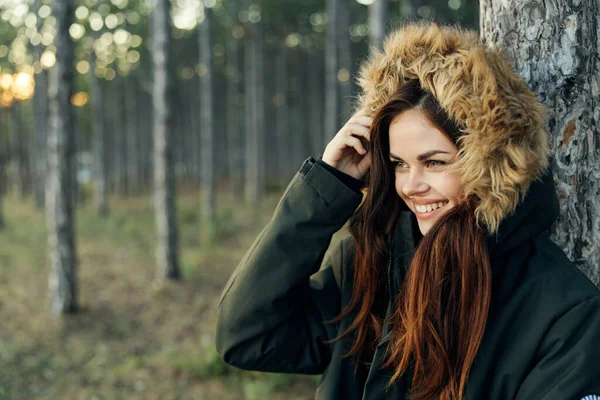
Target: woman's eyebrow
[422, 156]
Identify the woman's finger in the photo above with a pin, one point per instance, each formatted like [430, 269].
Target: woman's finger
[354, 142]
[361, 120]
[356, 129]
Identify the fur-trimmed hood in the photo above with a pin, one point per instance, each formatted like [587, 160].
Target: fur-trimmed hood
[504, 147]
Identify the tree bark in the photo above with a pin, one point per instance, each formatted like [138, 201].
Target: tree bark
[133, 179]
[59, 209]
[282, 117]
[21, 138]
[332, 93]
[120, 135]
[164, 177]
[99, 141]
[207, 142]
[345, 69]
[555, 47]
[3, 157]
[378, 13]
[234, 110]
[254, 172]
[40, 120]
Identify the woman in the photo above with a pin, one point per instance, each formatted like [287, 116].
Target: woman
[449, 286]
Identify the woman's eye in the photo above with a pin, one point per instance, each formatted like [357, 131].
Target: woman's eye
[434, 163]
[399, 165]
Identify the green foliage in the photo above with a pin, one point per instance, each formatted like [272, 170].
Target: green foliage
[205, 364]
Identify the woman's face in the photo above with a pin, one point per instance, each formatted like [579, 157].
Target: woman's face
[422, 156]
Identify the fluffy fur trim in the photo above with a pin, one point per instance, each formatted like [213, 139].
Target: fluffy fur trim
[504, 146]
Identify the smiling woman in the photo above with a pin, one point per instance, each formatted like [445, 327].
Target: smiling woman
[449, 286]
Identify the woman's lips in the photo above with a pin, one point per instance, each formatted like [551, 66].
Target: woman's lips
[428, 215]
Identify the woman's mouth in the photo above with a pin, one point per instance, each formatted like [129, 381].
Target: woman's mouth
[428, 211]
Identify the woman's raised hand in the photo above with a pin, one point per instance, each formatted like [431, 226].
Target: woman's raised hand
[347, 151]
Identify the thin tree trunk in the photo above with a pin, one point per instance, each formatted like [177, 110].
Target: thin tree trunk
[332, 93]
[133, 180]
[378, 14]
[2, 174]
[59, 209]
[345, 63]
[99, 140]
[235, 139]
[315, 94]
[207, 142]
[164, 177]
[120, 130]
[254, 144]
[40, 120]
[23, 173]
[282, 134]
[555, 47]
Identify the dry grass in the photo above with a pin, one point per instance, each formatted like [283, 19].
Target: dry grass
[133, 338]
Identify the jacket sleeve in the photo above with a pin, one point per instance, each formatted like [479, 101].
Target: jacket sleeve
[272, 311]
[568, 365]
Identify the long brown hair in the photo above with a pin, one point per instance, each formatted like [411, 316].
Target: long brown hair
[441, 310]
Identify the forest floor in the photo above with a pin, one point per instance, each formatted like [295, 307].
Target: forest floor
[132, 338]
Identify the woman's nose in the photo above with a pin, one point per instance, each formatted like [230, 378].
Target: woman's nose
[415, 184]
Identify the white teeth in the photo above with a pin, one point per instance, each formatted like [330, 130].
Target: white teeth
[430, 207]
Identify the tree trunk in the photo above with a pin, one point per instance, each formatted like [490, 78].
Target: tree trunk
[40, 120]
[207, 142]
[556, 49]
[332, 100]
[59, 209]
[282, 113]
[254, 136]
[99, 141]
[3, 154]
[378, 14]
[164, 177]
[345, 69]
[234, 110]
[120, 132]
[133, 180]
[23, 174]
[315, 93]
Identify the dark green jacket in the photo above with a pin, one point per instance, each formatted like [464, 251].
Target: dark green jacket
[542, 338]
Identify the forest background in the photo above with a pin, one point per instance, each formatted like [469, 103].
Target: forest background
[145, 143]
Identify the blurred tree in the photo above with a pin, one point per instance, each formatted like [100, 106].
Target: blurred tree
[3, 160]
[21, 137]
[555, 49]
[235, 138]
[98, 133]
[164, 178]
[40, 116]
[131, 135]
[59, 207]
[253, 69]
[332, 92]
[207, 122]
[347, 14]
[378, 17]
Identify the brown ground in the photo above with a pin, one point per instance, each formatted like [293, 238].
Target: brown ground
[133, 338]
